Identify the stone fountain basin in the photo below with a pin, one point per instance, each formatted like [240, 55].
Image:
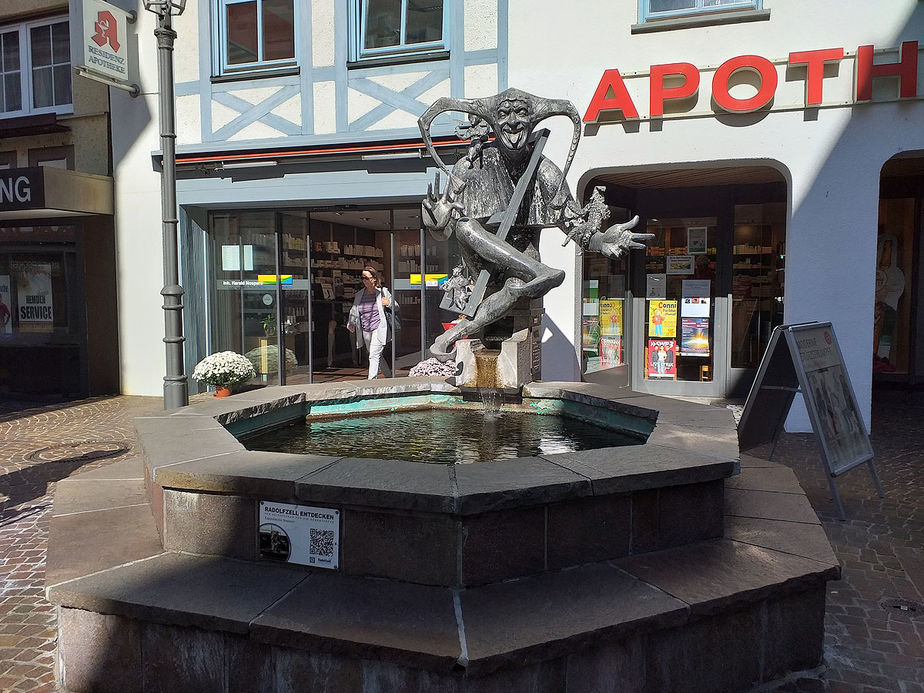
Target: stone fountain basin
[655, 565]
[459, 525]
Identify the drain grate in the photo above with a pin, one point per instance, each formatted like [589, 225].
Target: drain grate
[906, 606]
[84, 451]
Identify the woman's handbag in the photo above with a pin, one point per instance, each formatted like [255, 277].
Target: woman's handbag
[393, 317]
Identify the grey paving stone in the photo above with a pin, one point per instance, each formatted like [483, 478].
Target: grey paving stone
[396, 484]
[181, 439]
[123, 468]
[718, 574]
[80, 494]
[203, 591]
[551, 615]
[510, 483]
[368, 618]
[268, 475]
[770, 505]
[704, 441]
[778, 478]
[85, 543]
[624, 469]
[797, 538]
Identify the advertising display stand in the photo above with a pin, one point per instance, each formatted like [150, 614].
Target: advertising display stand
[806, 358]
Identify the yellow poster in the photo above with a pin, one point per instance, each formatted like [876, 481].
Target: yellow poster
[662, 318]
[611, 318]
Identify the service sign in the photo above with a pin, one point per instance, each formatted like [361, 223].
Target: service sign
[104, 40]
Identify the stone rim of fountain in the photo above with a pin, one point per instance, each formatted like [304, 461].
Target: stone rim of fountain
[752, 599]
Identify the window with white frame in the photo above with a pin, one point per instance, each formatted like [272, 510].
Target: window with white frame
[388, 28]
[669, 9]
[35, 68]
[255, 35]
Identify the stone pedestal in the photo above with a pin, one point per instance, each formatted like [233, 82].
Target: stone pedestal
[517, 362]
[517, 341]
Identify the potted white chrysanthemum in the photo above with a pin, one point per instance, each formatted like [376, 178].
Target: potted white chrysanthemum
[223, 369]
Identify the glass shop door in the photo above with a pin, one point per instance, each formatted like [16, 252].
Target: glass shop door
[680, 319]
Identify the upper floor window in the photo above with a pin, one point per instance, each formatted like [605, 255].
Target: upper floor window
[255, 35]
[387, 28]
[668, 9]
[35, 68]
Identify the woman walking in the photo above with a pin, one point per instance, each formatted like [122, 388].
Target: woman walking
[368, 321]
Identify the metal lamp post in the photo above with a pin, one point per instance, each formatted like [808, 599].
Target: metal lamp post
[176, 393]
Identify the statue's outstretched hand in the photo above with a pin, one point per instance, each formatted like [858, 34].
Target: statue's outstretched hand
[619, 238]
[437, 210]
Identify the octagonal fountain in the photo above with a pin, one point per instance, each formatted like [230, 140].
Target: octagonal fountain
[637, 567]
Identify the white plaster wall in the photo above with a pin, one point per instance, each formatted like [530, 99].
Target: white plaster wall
[832, 162]
[322, 33]
[139, 247]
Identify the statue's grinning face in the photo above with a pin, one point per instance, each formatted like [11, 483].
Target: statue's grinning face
[514, 123]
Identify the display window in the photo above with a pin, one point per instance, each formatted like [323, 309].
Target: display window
[283, 283]
[603, 313]
[894, 270]
[39, 325]
[680, 278]
[758, 266]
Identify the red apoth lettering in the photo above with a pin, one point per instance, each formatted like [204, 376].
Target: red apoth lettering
[906, 69]
[659, 92]
[620, 101]
[815, 70]
[768, 81]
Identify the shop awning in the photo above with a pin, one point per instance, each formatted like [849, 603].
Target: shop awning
[45, 192]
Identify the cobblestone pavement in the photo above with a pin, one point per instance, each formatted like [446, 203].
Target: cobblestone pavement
[38, 447]
[871, 645]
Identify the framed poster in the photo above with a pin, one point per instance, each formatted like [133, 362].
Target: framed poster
[656, 286]
[662, 359]
[680, 264]
[662, 318]
[590, 332]
[35, 301]
[611, 317]
[696, 240]
[6, 313]
[694, 307]
[806, 358]
[694, 336]
[610, 351]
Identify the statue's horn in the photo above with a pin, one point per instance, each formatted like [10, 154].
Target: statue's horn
[546, 108]
[442, 105]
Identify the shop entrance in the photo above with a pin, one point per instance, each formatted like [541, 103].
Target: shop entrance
[898, 353]
[283, 283]
[40, 328]
[695, 309]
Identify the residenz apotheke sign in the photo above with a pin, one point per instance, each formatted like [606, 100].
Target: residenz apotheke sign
[104, 40]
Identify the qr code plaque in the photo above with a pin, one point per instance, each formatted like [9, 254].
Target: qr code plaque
[300, 534]
[322, 542]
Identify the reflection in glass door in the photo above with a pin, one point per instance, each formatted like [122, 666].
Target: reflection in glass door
[245, 292]
[680, 312]
[603, 314]
[758, 256]
[294, 320]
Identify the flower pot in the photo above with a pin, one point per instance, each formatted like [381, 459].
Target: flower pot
[222, 391]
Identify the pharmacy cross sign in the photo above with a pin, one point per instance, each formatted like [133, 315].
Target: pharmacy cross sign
[107, 30]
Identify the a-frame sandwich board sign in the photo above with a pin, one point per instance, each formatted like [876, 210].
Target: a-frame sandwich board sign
[806, 358]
